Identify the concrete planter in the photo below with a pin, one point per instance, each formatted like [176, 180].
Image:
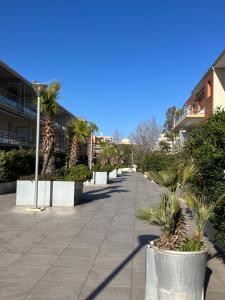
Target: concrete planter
[174, 275]
[66, 193]
[25, 192]
[113, 174]
[100, 178]
[7, 187]
[119, 172]
[50, 193]
[125, 170]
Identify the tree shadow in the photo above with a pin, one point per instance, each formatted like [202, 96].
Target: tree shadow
[143, 241]
[95, 195]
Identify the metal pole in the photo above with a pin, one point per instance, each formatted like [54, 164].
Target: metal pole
[91, 151]
[37, 152]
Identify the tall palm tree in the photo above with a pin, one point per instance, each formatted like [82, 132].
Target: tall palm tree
[78, 132]
[92, 127]
[49, 108]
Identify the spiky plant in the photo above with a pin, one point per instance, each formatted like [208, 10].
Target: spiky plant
[77, 133]
[202, 211]
[49, 107]
[169, 216]
[92, 127]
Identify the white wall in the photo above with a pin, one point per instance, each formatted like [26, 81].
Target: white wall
[219, 89]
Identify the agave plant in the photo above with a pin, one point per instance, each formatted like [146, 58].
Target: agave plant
[49, 107]
[77, 132]
[169, 216]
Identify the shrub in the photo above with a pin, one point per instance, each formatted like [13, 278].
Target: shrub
[16, 163]
[159, 161]
[106, 168]
[78, 173]
[206, 146]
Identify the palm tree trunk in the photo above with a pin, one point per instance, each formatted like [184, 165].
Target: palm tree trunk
[74, 152]
[48, 146]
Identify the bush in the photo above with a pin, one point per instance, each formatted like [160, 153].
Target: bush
[206, 146]
[159, 161]
[106, 168]
[78, 173]
[16, 163]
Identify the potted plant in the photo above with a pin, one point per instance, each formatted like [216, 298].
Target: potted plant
[68, 191]
[176, 262]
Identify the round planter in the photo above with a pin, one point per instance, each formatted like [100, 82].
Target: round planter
[177, 275]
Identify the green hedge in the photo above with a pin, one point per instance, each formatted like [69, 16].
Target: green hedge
[158, 161]
[16, 163]
[206, 146]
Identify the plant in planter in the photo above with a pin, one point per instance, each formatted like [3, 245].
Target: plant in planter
[79, 173]
[176, 262]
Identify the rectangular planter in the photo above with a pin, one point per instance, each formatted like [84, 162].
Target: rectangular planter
[25, 192]
[66, 193]
[50, 193]
[100, 178]
[7, 187]
[125, 170]
[119, 172]
[113, 174]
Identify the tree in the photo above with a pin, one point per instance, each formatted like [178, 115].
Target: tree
[78, 132]
[92, 127]
[170, 114]
[146, 134]
[49, 107]
[117, 136]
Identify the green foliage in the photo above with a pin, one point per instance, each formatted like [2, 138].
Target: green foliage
[79, 129]
[191, 244]
[78, 173]
[49, 98]
[16, 163]
[164, 146]
[106, 168]
[158, 161]
[206, 146]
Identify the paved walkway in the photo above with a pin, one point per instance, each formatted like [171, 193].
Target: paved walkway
[93, 251]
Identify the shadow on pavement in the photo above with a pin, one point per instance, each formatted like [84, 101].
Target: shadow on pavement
[143, 241]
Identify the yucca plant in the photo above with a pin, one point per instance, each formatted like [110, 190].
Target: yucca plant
[77, 132]
[49, 108]
[202, 211]
[169, 216]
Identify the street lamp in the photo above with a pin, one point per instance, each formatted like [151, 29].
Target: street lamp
[38, 88]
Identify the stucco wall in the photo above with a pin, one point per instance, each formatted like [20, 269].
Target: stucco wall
[219, 89]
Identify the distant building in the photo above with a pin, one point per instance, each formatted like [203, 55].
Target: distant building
[207, 95]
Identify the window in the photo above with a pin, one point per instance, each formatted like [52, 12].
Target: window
[209, 89]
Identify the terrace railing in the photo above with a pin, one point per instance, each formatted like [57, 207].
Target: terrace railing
[12, 139]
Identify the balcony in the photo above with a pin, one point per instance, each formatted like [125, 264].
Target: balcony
[190, 117]
[12, 139]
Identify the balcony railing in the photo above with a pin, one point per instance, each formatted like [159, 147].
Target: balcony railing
[188, 112]
[12, 139]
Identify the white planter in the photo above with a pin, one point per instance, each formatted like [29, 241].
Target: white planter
[125, 170]
[66, 193]
[113, 174]
[119, 172]
[25, 192]
[7, 187]
[100, 178]
[174, 275]
[50, 193]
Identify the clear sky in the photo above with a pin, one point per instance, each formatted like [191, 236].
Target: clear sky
[120, 61]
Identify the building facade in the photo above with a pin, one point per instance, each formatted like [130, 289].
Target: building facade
[18, 113]
[206, 97]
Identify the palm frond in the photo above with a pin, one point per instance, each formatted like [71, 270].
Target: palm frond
[168, 179]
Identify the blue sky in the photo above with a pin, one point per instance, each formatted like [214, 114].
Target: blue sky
[120, 61]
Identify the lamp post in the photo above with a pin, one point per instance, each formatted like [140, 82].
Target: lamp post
[38, 88]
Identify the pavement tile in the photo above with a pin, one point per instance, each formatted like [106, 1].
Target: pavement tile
[109, 293]
[80, 251]
[63, 274]
[21, 274]
[43, 261]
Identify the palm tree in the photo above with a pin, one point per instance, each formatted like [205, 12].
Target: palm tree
[92, 127]
[78, 132]
[49, 107]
